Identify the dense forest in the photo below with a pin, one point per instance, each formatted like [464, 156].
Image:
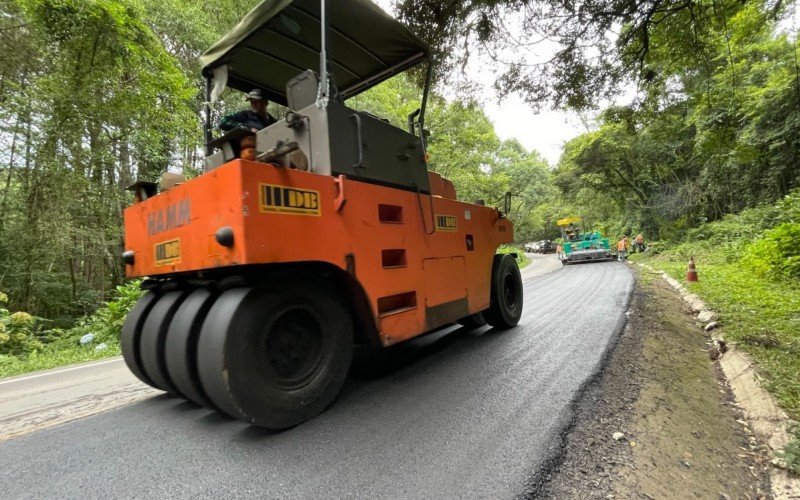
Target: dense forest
[95, 94]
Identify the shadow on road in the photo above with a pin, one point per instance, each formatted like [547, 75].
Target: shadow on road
[370, 374]
[375, 363]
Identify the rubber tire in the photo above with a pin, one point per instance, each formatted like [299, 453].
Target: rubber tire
[232, 354]
[505, 311]
[130, 337]
[212, 367]
[180, 350]
[153, 340]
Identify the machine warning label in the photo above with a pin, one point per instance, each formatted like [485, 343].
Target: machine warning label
[286, 200]
[168, 252]
[447, 223]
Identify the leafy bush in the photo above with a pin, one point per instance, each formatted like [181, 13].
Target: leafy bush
[23, 349]
[106, 323]
[522, 260]
[790, 455]
[656, 247]
[735, 228]
[777, 254]
[789, 207]
[17, 334]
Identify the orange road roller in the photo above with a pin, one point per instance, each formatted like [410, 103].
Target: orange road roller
[319, 232]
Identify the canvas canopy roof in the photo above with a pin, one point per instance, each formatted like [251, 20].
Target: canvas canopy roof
[568, 221]
[279, 39]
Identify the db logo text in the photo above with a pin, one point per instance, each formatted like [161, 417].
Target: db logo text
[286, 200]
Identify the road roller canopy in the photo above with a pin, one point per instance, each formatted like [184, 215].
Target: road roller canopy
[568, 221]
[279, 39]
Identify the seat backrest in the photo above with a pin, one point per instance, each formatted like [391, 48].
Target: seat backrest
[301, 91]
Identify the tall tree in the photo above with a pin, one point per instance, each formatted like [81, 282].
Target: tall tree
[597, 45]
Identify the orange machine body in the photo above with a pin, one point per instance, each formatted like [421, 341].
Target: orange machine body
[422, 260]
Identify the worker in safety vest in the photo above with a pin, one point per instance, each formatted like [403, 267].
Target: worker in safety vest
[622, 248]
[638, 243]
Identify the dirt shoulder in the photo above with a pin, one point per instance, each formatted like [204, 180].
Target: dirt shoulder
[682, 437]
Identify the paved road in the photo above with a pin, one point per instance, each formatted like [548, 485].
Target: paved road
[41, 400]
[37, 401]
[540, 264]
[474, 414]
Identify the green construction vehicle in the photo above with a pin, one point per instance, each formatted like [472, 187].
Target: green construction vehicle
[582, 247]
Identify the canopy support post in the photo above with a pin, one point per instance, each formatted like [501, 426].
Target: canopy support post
[322, 93]
[425, 94]
[209, 135]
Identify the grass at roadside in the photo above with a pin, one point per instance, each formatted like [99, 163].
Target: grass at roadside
[27, 346]
[522, 260]
[761, 316]
[53, 358]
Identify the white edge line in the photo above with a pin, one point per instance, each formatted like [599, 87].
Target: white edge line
[29, 377]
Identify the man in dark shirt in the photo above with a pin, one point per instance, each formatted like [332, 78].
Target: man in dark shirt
[253, 119]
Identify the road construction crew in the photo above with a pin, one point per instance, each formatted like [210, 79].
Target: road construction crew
[638, 243]
[572, 232]
[622, 248]
[253, 119]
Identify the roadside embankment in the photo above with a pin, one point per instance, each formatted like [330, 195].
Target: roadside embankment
[760, 316]
[29, 344]
[770, 425]
[660, 421]
[759, 320]
[749, 283]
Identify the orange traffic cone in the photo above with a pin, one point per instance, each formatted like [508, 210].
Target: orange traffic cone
[691, 273]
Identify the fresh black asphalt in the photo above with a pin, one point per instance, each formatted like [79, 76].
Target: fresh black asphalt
[462, 414]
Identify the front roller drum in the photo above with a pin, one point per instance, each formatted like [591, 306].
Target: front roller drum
[153, 340]
[505, 309]
[275, 358]
[180, 350]
[130, 337]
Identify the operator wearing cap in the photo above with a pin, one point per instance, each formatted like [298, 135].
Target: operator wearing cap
[253, 119]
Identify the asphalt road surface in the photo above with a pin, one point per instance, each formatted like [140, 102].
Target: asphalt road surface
[475, 414]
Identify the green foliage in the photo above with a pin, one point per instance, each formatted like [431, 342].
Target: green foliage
[716, 131]
[27, 351]
[522, 260]
[105, 324]
[17, 334]
[777, 254]
[790, 455]
[90, 100]
[602, 47]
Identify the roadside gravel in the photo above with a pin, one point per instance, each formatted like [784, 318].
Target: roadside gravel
[681, 435]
